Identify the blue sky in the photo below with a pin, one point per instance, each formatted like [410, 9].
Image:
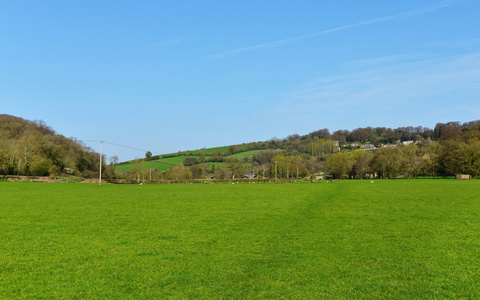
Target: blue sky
[181, 75]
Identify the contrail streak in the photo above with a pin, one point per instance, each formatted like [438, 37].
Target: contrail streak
[432, 7]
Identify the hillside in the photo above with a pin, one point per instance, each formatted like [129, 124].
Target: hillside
[33, 148]
[448, 149]
[208, 158]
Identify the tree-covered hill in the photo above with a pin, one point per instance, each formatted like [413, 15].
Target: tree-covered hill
[33, 148]
[448, 149]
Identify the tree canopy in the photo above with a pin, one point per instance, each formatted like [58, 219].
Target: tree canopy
[33, 148]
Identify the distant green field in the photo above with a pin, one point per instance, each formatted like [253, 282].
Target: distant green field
[209, 150]
[165, 163]
[391, 239]
[174, 160]
[162, 164]
[249, 154]
[148, 164]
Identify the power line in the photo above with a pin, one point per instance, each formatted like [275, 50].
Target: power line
[128, 147]
[115, 144]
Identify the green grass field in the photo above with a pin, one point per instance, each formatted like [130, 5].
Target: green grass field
[208, 151]
[392, 239]
[248, 154]
[164, 164]
[175, 160]
[161, 164]
[148, 164]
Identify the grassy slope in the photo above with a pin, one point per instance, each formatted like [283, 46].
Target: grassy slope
[164, 164]
[175, 160]
[392, 239]
[148, 164]
[208, 151]
[249, 154]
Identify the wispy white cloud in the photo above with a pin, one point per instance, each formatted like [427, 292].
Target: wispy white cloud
[448, 83]
[435, 6]
[385, 60]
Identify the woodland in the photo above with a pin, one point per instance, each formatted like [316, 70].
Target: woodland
[31, 148]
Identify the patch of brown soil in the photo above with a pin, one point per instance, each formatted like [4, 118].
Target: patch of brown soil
[43, 179]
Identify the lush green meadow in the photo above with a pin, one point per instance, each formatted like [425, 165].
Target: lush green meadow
[392, 239]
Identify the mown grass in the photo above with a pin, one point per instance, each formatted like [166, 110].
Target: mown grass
[393, 239]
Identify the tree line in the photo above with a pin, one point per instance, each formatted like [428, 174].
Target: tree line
[448, 149]
[33, 148]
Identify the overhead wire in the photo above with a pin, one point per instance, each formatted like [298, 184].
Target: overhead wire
[115, 144]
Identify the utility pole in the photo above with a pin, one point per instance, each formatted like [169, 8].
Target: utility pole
[100, 173]
[275, 171]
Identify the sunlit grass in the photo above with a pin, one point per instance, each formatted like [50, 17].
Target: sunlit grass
[393, 239]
